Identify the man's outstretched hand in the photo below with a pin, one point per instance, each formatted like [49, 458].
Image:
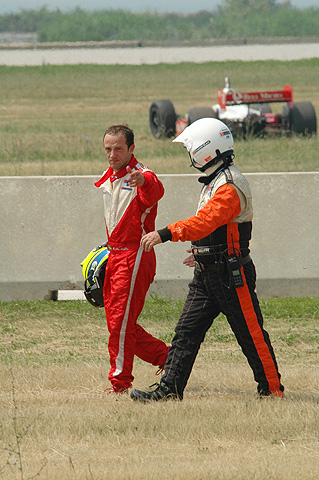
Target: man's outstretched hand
[136, 178]
[150, 240]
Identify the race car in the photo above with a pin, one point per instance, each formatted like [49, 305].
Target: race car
[244, 113]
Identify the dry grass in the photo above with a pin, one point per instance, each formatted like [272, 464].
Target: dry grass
[54, 360]
[219, 431]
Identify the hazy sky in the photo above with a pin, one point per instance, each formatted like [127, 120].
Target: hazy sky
[132, 5]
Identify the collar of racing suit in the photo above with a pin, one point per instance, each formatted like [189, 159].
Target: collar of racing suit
[210, 176]
[109, 173]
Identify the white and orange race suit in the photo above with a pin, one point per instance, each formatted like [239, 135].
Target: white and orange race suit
[129, 213]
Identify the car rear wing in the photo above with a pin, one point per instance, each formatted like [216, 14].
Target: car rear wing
[228, 96]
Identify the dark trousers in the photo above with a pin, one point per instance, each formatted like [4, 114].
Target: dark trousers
[211, 293]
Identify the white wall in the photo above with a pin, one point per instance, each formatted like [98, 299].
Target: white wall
[49, 224]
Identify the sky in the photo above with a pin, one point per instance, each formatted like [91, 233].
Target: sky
[185, 6]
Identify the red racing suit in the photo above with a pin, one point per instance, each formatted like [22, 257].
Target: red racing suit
[221, 228]
[129, 213]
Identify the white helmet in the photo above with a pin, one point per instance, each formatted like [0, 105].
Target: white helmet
[208, 141]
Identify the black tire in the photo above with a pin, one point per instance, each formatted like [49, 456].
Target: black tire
[285, 111]
[201, 112]
[162, 118]
[302, 117]
[262, 107]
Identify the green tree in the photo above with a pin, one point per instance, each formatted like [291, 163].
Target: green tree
[233, 19]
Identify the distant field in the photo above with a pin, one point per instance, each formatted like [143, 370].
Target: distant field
[53, 117]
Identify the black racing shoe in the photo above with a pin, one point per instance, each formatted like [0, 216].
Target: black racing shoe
[262, 393]
[161, 392]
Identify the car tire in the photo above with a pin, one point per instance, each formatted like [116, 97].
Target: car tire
[201, 112]
[262, 107]
[162, 119]
[302, 118]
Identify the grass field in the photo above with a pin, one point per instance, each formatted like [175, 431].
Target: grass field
[53, 117]
[56, 421]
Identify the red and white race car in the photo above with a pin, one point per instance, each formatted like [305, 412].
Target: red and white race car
[244, 113]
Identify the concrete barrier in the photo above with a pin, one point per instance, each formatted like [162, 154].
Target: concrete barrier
[49, 224]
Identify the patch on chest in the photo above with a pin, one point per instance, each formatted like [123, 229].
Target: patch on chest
[126, 186]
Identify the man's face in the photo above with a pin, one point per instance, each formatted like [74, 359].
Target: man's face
[117, 151]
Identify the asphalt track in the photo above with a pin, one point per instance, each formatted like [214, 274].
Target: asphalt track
[155, 55]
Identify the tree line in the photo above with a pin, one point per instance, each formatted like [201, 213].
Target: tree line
[231, 19]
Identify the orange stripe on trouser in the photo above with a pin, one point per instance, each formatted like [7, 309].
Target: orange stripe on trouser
[249, 313]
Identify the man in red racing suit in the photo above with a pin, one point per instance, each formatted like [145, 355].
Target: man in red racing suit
[225, 277]
[130, 193]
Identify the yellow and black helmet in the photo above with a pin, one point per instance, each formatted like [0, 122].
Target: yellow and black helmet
[93, 269]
